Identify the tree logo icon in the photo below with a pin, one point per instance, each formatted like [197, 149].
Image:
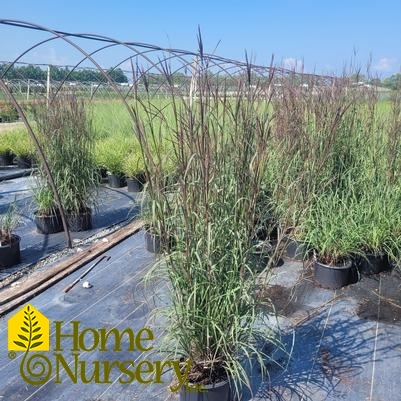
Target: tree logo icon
[28, 330]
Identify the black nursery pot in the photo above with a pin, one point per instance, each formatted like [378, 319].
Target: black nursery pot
[23, 162]
[10, 254]
[372, 263]
[152, 242]
[260, 260]
[220, 391]
[6, 159]
[116, 181]
[337, 276]
[102, 175]
[80, 221]
[48, 224]
[135, 184]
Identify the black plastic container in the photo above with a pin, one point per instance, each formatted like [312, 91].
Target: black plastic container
[134, 184]
[116, 181]
[24, 162]
[48, 224]
[152, 242]
[337, 276]
[372, 263]
[6, 159]
[10, 254]
[212, 392]
[156, 243]
[81, 221]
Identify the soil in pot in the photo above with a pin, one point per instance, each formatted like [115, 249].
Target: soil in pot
[10, 254]
[116, 181]
[220, 391]
[48, 224]
[81, 221]
[373, 263]
[335, 276]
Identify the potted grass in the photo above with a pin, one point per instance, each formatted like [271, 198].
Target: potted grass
[156, 213]
[6, 155]
[10, 254]
[47, 215]
[109, 154]
[133, 168]
[377, 208]
[212, 324]
[208, 284]
[331, 231]
[67, 137]
[22, 148]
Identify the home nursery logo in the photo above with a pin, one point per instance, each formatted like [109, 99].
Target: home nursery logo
[29, 332]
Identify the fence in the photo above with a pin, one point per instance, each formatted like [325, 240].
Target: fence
[140, 67]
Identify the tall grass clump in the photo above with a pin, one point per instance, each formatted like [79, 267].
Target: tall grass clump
[392, 168]
[325, 163]
[219, 145]
[355, 148]
[310, 138]
[67, 138]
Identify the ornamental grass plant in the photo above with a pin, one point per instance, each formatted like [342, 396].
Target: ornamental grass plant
[219, 144]
[67, 138]
[21, 145]
[109, 153]
[8, 222]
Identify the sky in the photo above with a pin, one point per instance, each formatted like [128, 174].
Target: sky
[324, 37]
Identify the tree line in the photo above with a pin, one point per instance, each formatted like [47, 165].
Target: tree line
[34, 72]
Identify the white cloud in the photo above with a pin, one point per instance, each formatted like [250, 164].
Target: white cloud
[294, 64]
[384, 64]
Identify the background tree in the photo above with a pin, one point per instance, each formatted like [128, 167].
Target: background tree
[393, 82]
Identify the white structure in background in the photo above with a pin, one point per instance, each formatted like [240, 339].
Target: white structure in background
[194, 80]
[48, 86]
